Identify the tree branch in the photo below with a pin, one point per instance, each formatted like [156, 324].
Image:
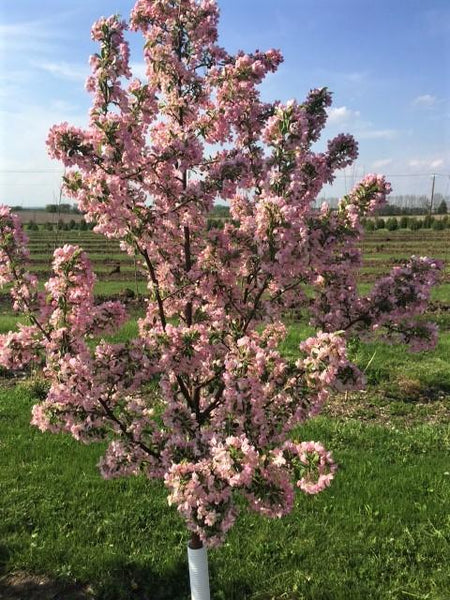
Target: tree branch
[155, 282]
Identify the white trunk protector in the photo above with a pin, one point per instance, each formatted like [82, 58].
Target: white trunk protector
[198, 573]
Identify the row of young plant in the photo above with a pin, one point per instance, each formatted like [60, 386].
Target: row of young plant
[60, 225]
[391, 224]
[404, 222]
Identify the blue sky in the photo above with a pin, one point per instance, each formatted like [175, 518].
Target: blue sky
[387, 63]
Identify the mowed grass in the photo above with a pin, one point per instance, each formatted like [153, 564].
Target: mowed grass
[381, 531]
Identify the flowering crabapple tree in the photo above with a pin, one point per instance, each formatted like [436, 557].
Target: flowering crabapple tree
[147, 171]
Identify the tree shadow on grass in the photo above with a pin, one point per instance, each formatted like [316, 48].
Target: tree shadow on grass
[119, 581]
[25, 586]
[130, 580]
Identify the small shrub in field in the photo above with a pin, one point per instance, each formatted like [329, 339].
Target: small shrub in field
[442, 209]
[428, 222]
[438, 225]
[403, 223]
[369, 225]
[392, 224]
[37, 386]
[380, 224]
[415, 224]
[215, 223]
[32, 226]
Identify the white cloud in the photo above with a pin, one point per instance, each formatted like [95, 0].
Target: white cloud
[341, 114]
[64, 70]
[26, 131]
[362, 129]
[13, 81]
[414, 163]
[20, 32]
[356, 76]
[425, 101]
[78, 72]
[436, 164]
[377, 134]
[353, 78]
[38, 36]
[380, 164]
[426, 163]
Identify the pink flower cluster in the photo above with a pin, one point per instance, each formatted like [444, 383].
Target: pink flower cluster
[203, 490]
[204, 500]
[313, 463]
[13, 244]
[202, 398]
[18, 348]
[325, 366]
[108, 66]
[369, 195]
[59, 317]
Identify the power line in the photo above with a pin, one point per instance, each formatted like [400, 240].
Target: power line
[404, 175]
[26, 184]
[337, 176]
[30, 171]
[419, 175]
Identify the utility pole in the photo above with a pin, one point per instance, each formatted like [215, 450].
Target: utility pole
[432, 193]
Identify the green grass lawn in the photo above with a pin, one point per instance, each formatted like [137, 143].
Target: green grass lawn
[106, 289]
[382, 531]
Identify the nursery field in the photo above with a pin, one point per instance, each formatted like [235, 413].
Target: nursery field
[381, 531]
[117, 272]
[41, 216]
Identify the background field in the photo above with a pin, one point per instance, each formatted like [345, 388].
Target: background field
[382, 250]
[382, 531]
[41, 216]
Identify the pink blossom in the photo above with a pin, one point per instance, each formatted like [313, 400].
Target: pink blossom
[313, 463]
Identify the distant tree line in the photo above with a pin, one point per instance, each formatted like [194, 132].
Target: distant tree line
[398, 206]
[408, 204]
[439, 208]
[407, 222]
[220, 213]
[50, 208]
[62, 208]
